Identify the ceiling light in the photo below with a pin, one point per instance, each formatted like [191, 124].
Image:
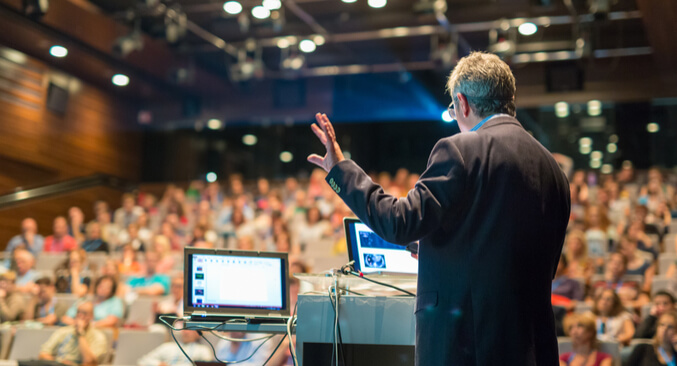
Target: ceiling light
[307, 46]
[249, 140]
[613, 138]
[259, 12]
[272, 4]
[58, 51]
[282, 43]
[585, 141]
[214, 124]
[597, 155]
[120, 79]
[349, 1]
[594, 108]
[232, 7]
[607, 169]
[653, 127]
[286, 157]
[595, 164]
[527, 29]
[377, 3]
[584, 149]
[211, 177]
[611, 148]
[562, 109]
[319, 40]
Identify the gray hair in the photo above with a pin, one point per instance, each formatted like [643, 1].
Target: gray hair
[486, 81]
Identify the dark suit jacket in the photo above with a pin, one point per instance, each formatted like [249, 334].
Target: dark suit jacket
[490, 212]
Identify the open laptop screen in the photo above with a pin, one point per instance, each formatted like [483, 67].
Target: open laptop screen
[375, 255]
[235, 282]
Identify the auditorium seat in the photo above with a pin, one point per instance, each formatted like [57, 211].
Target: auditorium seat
[97, 259]
[27, 342]
[582, 307]
[664, 262]
[611, 348]
[646, 310]
[5, 342]
[134, 344]
[669, 243]
[63, 303]
[140, 313]
[663, 283]
[49, 261]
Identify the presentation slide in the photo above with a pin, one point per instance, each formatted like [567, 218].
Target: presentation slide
[234, 281]
[377, 255]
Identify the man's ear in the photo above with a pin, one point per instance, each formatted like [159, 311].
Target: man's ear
[463, 106]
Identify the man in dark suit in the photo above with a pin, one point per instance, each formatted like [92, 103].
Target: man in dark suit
[490, 211]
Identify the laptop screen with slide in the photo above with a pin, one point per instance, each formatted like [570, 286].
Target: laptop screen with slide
[375, 255]
[234, 283]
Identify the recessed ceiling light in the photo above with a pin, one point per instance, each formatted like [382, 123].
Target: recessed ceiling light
[259, 12]
[594, 108]
[58, 51]
[527, 29]
[286, 157]
[120, 79]
[653, 127]
[272, 4]
[377, 3]
[211, 177]
[232, 7]
[214, 124]
[249, 140]
[307, 46]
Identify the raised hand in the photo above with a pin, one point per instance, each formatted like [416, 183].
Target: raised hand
[325, 132]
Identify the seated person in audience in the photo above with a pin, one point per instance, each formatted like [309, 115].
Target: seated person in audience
[565, 291]
[629, 291]
[60, 241]
[151, 283]
[73, 276]
[93, 241]
[12, 303]
[168, 354]
[43, 306]
[29, 238]
[131, 237]
[663, 350]
[129, 265]
[614, 323]
[639, 263]
[245, 242]
[580, 265]
[25, 272]
[76, 225]
[163, 248]
[663, 302]
[78, 344]
[108, 308]
[172, 304]
[128, 213]
[585, 347]
[635, 232]
[230, 351]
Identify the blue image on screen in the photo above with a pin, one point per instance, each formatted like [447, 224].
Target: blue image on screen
[369, 239]
[374, 260]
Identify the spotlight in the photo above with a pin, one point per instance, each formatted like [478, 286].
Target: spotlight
[595, 164]
[282, 43]
[594, 108]
[211, 177]
[259, 12]
[307, 46]
[319, 40]
[653, 127]
[58, 51]
[562, 109]
[249, 140]
[446, 117]
[286, 157]
[377, 3]
[232, 7]
[584, 149]
[120, 80]
[527, 29]
[607, 169]
[272, 4]
[596, 155]
[585, 141]
[214, 124]
[611, 148]
[349, 1]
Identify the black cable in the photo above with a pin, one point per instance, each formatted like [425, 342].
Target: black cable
[353, 273]
[340, 340]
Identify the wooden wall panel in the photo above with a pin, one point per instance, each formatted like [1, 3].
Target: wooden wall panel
[97, 133]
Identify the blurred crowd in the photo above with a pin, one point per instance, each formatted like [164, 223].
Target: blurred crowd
[109, 264]
[617, 275]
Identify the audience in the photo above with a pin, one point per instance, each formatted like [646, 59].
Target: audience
[614, 323]
[29, 238]
[565, 291]
[43, 306]
[80, 343]
[12, 302]
[230, 351]
[93, 241]
[663, 302]
[25, 272]
[108, 308]
[663, 350]
[150, 283]
[576, 252]
[73, 276]
[585, 348]
[60, 241]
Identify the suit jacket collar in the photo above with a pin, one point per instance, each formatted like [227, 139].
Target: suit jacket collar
[499, 120]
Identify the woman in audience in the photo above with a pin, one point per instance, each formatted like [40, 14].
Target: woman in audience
[565, 291]
[108, 308]
[314, 229]
[639, 263]
[129, 264]
[580, 266]
[598, 231]
[73, 275]
[585, 347]
[662, 351]
[162, 247]
[614, 323]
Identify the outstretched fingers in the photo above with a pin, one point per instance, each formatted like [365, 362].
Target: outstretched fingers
[319, 133]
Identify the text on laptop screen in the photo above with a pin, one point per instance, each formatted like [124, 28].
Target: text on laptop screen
[220, 281]
[374, 254]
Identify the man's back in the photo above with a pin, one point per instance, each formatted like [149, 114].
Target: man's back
[490, 212]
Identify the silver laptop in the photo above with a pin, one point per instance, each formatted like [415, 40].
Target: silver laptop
[221, 285]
